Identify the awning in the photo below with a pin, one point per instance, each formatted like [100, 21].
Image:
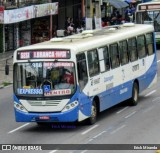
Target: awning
[131, 1]
[116, 3]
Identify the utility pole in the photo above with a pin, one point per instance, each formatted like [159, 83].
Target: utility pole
[89, 14]
[97, 18]
[51, 26]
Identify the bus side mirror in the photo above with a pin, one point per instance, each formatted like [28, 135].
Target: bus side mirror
[6, 69]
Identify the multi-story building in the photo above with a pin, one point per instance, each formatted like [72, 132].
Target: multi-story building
[25, 22]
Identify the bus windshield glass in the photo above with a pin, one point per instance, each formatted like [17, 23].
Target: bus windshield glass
[149, 17]
[44, 79]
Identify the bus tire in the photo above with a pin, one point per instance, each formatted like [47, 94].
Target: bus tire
[135, 94]
[92, 119]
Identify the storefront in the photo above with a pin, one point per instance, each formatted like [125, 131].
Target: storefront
[25, 33]
[40, 30]
[25, 26]
[9, 37]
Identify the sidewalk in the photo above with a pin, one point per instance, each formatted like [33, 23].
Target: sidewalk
[6, 79]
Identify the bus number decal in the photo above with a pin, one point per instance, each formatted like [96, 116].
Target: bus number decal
[96, 81]
[110, 78]
[24, 55]
[135, 68]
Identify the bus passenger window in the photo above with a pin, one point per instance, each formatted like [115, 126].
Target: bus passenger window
[82, 70]
[141, 46]
[123, 48]
[106, 58]
[132, 45]
[149, 43]
[114, 55]
[93, 62]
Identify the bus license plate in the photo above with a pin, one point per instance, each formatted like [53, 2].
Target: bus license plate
[44, 117]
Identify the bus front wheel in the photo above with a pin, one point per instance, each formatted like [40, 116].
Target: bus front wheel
[134, 98]
[92, 119]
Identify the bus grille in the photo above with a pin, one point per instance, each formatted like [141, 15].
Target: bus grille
[45, 103]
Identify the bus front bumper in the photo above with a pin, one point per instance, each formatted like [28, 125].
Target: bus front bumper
[68, 116]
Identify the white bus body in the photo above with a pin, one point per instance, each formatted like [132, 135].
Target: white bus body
[108, 66]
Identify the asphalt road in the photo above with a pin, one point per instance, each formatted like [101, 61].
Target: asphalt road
[121, 124]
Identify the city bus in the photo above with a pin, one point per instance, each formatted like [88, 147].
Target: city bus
[149, 13]
[73, 78]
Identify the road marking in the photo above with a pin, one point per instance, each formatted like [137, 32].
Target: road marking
[99, 134]
[158, 61]
[148, 109]
[8, 86]
[90, 140]
[53, 151]
[89, 129]
[150, 93]
[121, 127]
[18, 128]
[122, 110]
[130, 114]
[156, 99]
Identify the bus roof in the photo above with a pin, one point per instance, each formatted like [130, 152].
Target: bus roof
[97, 38]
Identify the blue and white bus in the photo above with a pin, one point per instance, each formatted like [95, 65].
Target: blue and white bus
[73, 78]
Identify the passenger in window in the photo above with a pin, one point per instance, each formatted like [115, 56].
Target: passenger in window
[69, 78]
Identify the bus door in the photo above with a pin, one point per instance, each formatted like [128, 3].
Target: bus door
[83, 98]
[94, 72]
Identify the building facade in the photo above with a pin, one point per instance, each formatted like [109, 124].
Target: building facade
[25, 22]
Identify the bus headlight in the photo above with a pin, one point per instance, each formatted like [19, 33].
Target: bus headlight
[20, 107]
[70, 106]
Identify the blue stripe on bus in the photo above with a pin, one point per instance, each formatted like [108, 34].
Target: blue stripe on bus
[69, 116]
[108, 99]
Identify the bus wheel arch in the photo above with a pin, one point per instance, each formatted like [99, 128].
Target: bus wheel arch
[94, 110]
[135, 93]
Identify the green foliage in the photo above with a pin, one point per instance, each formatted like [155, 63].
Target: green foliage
[6, 83]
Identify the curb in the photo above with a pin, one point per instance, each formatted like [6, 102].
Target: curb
[2, 86]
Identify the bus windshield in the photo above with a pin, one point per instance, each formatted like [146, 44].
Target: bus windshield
[44, 79]
[149, 17]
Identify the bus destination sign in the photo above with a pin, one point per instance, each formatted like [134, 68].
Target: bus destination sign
[149, 7]
[43, 54]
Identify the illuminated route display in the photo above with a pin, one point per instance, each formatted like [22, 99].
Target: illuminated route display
[43, 54]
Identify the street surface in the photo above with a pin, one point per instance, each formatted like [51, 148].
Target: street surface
[121, 124]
